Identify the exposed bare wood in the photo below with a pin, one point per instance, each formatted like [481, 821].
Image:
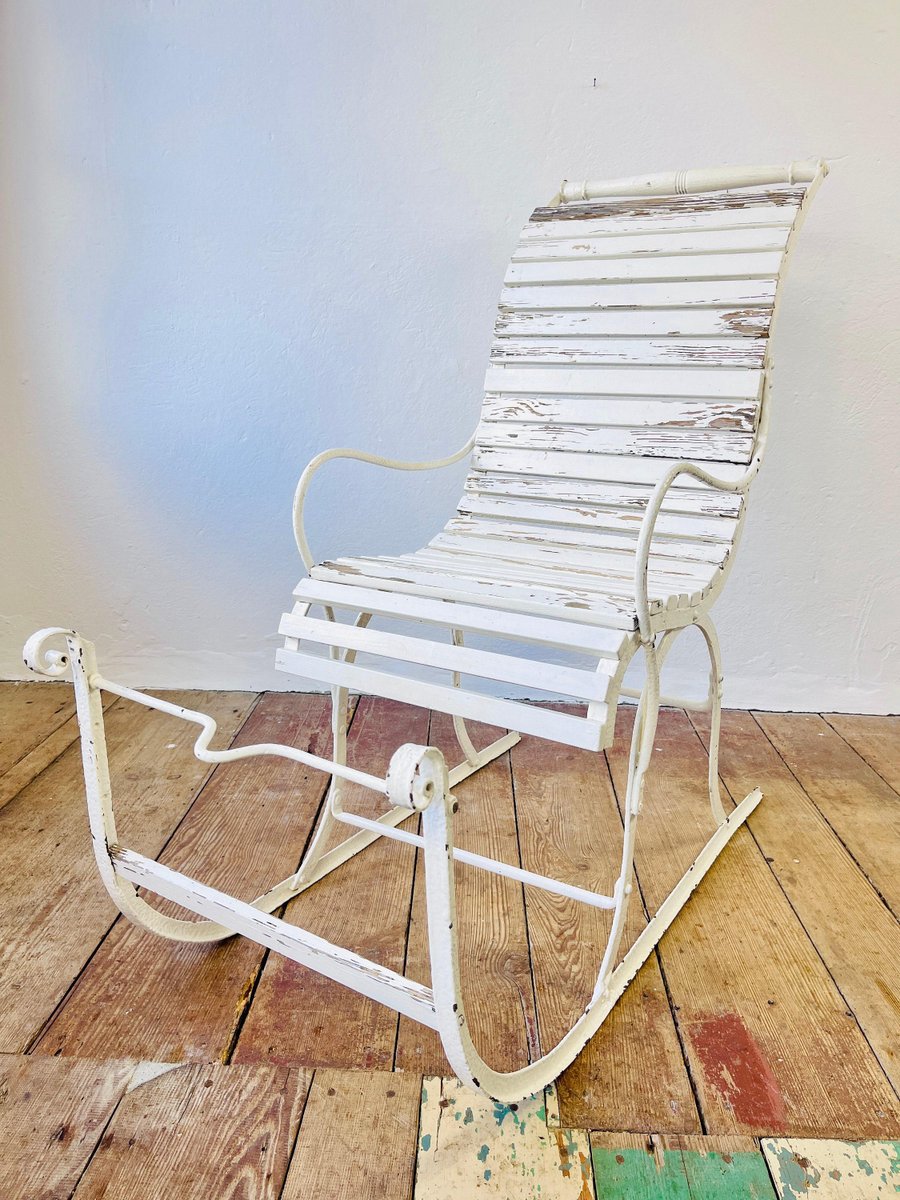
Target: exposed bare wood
[52, 1115]
[854, 933]
[201, 1131]
[753, 1001]
[30, 715]
[630, 496]
[358, 1137]
[862, 809]
[534, 247]
[38, 725]
[876, 739]
[699, 413]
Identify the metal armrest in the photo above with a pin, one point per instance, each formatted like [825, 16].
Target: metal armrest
[648, 526]
[361, 456]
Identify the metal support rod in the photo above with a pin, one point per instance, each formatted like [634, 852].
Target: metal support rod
[493, 865]
[201, 746]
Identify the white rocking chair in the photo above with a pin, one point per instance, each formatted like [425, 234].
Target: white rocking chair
[625, 416]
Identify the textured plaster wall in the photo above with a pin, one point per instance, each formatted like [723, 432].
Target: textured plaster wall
[236, 233]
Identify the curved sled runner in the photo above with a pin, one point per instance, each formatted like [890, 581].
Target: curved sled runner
[625, 417]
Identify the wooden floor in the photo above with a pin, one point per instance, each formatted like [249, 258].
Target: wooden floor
[770, 1011]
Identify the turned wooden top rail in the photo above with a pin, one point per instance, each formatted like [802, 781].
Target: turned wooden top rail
[705, 179]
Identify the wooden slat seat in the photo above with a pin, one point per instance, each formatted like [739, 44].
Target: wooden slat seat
[632, 334]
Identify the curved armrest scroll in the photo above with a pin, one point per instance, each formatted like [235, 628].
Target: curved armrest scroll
[648, 526]
[361, 456]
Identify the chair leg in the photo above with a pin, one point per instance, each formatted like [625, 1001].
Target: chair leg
[706, 627]
[437, 825]
[437, 821]
[474, 760]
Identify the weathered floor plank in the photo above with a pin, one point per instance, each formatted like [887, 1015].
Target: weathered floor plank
[145, 997]
[493, 943]
[198, 1131]
[30, 713]
[52, 1115]
[632, 1074]
[470, 1145]
[857, 937]
[862, 809]
[358, 1137]
[38, 724]
[53, 907]
[876, 739]
[830, 1170]
[300, 1016]
[650, 1167]
[753, 1001]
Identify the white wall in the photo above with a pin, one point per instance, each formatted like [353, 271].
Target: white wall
[237, 233]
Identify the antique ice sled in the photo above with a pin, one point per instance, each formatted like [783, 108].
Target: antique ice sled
[625, 416]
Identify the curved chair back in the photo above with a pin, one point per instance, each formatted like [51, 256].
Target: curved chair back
[633, 332]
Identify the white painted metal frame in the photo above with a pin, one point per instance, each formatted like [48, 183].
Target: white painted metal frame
[418, 780]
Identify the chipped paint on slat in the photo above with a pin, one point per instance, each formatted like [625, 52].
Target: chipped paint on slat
[704, 445]
[749, 321]
[636, 351]
[662, 206]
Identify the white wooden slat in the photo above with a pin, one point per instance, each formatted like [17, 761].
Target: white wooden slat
[716, 210]
[604, 572]
[717, 293]
[751, 321]
[631, 411]
[563, 225]
[563, 635]
[619, 586]
[633, 351]
[596, 521]
[763, 265]
[543, 532]
[629, 496]
[587, 519]
[727, 383]
[509, 714]
[472, 570]
[706, 445]
[561, 603]
[503, 668]
[574, 244]
[612, 468]
[608, 570]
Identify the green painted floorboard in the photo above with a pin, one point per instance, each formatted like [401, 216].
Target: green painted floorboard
[630, 1174]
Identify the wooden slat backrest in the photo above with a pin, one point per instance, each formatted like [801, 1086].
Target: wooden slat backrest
[631, 333]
